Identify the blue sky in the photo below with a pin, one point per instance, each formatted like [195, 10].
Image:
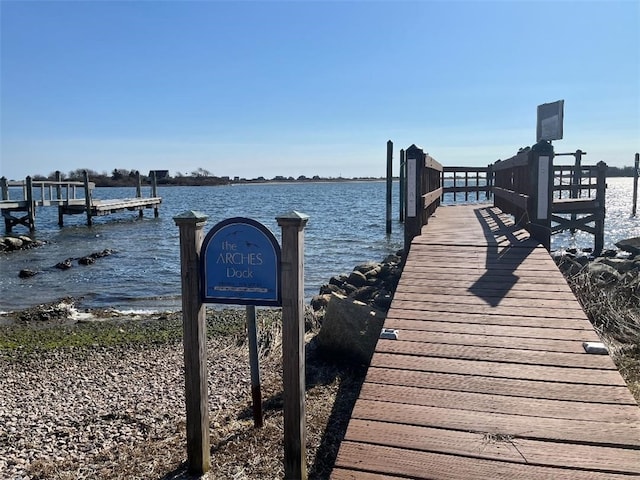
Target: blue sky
[309, 88]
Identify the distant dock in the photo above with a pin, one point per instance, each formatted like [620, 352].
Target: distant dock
[71, 198]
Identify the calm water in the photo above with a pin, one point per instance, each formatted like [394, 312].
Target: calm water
[346, 227]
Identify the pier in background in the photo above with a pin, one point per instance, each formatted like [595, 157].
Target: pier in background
[71, 198]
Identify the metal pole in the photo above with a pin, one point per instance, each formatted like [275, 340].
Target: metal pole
[389, 183]
[254, 362]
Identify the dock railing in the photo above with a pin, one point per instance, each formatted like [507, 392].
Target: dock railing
[468, 182]
[543, 198]
[546, 199]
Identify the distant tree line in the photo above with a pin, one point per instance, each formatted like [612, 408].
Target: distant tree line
[121, 177]
[620, 171]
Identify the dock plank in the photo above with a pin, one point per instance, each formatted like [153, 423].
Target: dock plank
[516, 387]
[364, 457]
[472, 444]
[573, 430]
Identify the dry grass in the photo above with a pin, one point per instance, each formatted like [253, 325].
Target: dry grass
[614, 310]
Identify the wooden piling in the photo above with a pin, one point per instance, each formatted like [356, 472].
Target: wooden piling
[389, 183]
[402, 185]
[636, 170]
[139, 192]
[600, 213]
[59, 198]
[195, 342]
[154, 191]
[4, 188]
[31, 206]
[293, 364]
[87, 197]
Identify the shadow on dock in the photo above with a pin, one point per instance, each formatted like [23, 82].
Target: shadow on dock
[508, 246]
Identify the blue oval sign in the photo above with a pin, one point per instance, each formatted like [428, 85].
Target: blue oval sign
[240, 264]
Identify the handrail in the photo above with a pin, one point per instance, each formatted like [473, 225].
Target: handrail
[471, 176]
[525, 186]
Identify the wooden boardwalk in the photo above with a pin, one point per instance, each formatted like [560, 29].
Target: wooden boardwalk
[488, 377]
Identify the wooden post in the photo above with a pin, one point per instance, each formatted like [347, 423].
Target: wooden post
[466, 186]
[31, 207]
[576, 181]
[154, 191]
[87, 197]
[455, 184]
[59, 197]
[636, 170]
[254, 363]
[195, 342]
[402, 182]
[293, 365]
[414, 201]
[389, 183]
[489, 181]
[4, 187]
[601, 191]
[541, 192]
[4, 191]
[576, 178]
[139, 193]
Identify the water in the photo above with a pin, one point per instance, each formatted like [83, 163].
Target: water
[346, 227]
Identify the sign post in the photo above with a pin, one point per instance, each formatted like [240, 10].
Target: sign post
[293, 365]
[195, 343]
[254, 363]
[240, 262]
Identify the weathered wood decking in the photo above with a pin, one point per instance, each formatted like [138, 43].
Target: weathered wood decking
[488, 377]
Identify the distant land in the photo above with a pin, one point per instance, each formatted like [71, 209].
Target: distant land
[120, 177]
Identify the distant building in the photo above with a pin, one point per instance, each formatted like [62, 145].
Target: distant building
[160, 174]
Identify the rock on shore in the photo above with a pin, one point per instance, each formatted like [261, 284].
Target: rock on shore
[613, 267]
[355, 307]
[12, 243]
[371, 283]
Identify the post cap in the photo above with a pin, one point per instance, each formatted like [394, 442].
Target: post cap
[190, 217]
[292, 218]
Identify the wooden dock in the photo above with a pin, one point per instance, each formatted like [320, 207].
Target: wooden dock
[64, 195]
[488, 377]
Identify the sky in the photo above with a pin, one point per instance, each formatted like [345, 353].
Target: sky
[310, 87]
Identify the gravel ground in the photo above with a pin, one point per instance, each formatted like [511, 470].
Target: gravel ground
[117, 411]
